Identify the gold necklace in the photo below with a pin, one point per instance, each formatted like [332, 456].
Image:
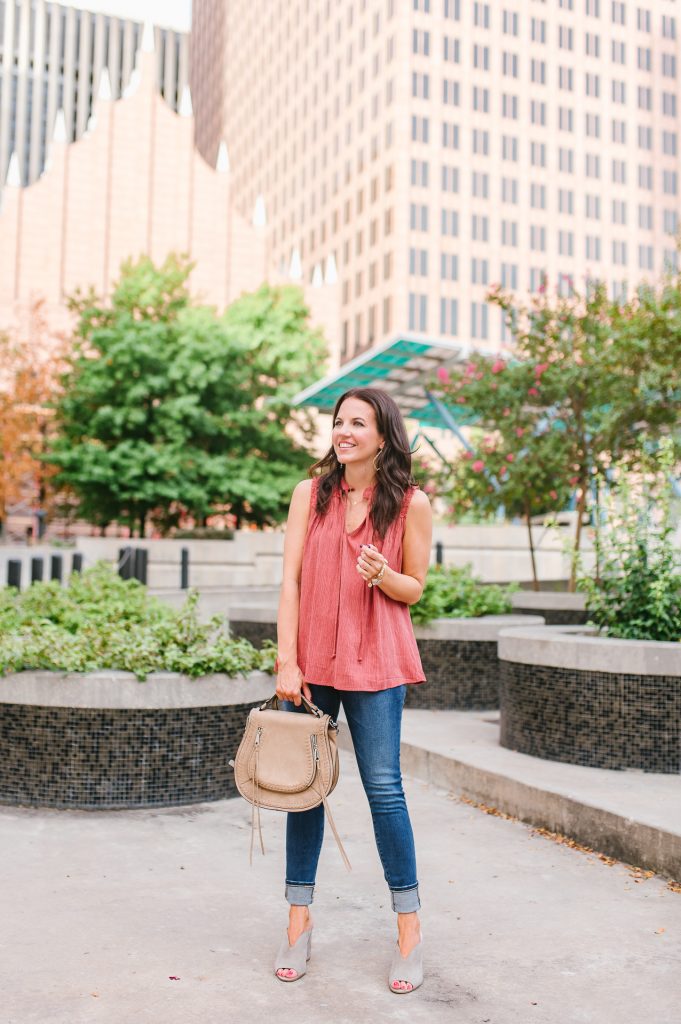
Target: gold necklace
[353, 503]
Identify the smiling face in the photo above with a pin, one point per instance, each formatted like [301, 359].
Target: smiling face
[355, 435]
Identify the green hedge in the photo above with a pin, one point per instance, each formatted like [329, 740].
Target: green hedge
[103, 622]
[457, 593]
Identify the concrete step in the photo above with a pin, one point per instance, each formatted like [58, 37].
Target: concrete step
[634, 816]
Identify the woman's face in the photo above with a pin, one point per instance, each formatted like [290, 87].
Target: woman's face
[355, 436]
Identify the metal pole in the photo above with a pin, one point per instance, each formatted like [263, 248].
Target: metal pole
[14, 573]
[125, 566]
[77, 562]
[439, 552]
[37, 567]
[56, 567]
[141, 563]
[184, 568]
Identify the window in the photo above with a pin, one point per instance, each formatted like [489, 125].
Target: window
[618, 12]
[538, 30]
[592, 247]
[449, 266]
[479, 271]
[619, 252]
[510, 147]
[566, 243]
[537, 112]
[537, 278]
[566, 201]
[420, 86]
[418, 312]
[481, 141]
[592, 44]
[592, 84]
[592, 165]
[566, 78]
[510, 23]
[645, 257]
[593, 8]
[566, 160]
[643, 20]
[480, 185]
[670, 182]
[619, 172]
[509, 190]
[592, 125]
[420, 42]
[509, 232]
[418, 262]
[481, 14]
[479, 228]
[538, 154]
[509, 106]
[479, 320]
[668, 26]
[450, 179]
[669, 143]
[420, 173]
[670, 219]
[538, 238]
[645, 98]
[450, 93]
[449, 223]
[669, 65]
[618, 51]
[619, 132]
[509, 64]
[619, 91]
[566, 37]
[452, 10]
[566, 119]
[452, 50]
[538, 71]
[645, 217]
[509, 275]
[418, 217]
[480, 57]
[422, 5]
[419, 128]
[481, 99]
[645, 176]
[644, 57]
[645, 137]
[450, 135]
[449, 316]
[669, 104]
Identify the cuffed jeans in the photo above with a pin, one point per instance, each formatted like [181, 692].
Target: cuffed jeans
[374, 719]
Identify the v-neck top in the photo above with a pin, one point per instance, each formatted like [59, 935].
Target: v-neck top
[351, 636]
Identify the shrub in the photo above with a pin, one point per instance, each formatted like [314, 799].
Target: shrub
[457, 593]
[636, 594]
[203, 533]
[103, 622]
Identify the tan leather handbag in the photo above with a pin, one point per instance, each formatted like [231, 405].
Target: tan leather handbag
[287, 762]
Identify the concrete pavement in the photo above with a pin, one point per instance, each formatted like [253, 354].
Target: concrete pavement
[100, 911]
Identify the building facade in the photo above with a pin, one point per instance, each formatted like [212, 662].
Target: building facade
[431, 148]
[51, 59]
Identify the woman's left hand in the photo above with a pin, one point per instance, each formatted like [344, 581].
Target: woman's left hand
[369, 561]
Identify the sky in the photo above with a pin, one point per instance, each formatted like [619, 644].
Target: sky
[169, 13]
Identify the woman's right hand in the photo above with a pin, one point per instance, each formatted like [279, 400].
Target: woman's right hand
[290, 684]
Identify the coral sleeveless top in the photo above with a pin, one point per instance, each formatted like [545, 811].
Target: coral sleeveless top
[351, 636]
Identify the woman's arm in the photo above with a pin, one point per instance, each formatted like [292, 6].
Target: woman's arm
[289, 677]
[407, 585]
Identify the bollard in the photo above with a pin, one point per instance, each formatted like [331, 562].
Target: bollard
[125, 563]
[77, 562]
[141, 563]
[439, 552]
[56, 567]
[37, 566]
[14, 573]
[184, 568]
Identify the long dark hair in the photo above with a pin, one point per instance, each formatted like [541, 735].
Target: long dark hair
[393, 475]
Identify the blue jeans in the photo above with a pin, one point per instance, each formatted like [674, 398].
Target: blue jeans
[374, 719]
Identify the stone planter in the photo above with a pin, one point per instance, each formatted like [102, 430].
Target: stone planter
[459, 656]
[570, 695]
[460, 663]
[557, 607]
[105, 740]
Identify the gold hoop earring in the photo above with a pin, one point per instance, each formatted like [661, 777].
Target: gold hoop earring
[376, 458]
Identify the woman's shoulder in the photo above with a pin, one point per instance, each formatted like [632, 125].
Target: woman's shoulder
[419, 498]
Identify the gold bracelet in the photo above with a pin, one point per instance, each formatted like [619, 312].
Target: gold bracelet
[378, 578]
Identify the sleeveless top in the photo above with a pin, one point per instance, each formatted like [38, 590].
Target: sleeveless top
[351, 636]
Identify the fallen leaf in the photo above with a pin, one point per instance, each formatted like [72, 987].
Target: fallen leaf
[660, 930]
[95, 995]
[173, 977]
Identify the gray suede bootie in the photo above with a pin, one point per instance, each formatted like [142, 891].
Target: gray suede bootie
[409, 969]
[295, 957]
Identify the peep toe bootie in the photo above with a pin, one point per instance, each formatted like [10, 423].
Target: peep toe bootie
[409, 969]
[295, 957]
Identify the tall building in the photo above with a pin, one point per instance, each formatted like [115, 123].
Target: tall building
[430, 148]
[51, 58]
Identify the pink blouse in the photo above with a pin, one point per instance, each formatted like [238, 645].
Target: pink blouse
[351, 636]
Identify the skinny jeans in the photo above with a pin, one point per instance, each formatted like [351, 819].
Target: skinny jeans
[374, 719]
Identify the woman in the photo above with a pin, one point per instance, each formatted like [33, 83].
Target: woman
[356, 554]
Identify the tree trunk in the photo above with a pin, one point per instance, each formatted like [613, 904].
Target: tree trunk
[535, 578]
[581, 508]
[143, 523]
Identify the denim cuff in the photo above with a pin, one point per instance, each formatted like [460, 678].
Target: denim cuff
[405, 901]
[298, 894]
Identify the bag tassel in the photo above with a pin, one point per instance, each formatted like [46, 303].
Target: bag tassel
[255, 807]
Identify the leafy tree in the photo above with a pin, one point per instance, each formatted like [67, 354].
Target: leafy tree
[169, 409]
[591, 382]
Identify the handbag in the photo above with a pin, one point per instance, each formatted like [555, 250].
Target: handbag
[287, 762]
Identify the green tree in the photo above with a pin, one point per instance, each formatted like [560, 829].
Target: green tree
[591, 382]
[169, 409]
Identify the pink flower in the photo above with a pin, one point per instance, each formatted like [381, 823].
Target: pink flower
[468, 455]
[443, 374]
[498, 366]
[532, 391]
[554, 495]
[510, 457]
[461, 400]
[494, 385]
[478, 466]
[574, 480]
[519, 431]
[470, 369]
[479, 376]
[507, 412]
[541, 368]
[502, 471]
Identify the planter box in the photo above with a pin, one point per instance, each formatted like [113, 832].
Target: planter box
[570, 695]
[459, 656]
[557, 608]
[460, 662]
[105, 740]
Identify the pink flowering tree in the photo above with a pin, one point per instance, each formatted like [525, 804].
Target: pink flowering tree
[583, 389]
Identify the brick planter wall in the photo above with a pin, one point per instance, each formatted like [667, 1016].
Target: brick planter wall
[53, 754]
[592, 701]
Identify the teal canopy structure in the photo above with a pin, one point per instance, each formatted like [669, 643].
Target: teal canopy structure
[406, 368]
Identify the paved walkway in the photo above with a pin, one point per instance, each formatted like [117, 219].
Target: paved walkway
[101, 910]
